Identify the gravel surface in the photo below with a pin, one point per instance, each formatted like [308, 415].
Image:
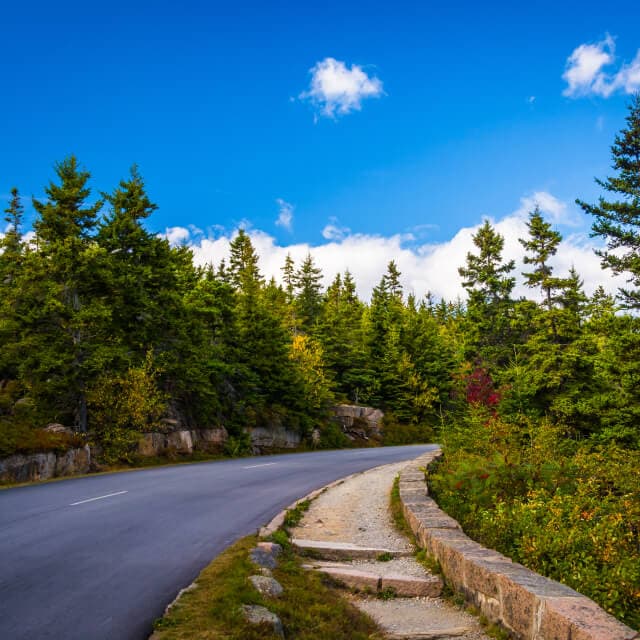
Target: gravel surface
[356, 511]
[408, 616]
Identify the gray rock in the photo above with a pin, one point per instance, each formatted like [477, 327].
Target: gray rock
[180, 441]
[268, 587]
[255, 614]
[55, 427]
[352, 416]
[152, 444]
[265, 554]
[273, 438]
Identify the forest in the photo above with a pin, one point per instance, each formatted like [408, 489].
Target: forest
[107, 328]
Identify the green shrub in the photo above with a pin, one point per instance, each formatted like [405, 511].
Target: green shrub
[564, 510]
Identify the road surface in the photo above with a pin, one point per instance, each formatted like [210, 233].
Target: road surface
[99, 557]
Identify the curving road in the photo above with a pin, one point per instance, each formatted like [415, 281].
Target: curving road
[99, 557]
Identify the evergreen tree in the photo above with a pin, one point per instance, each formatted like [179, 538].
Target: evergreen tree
[244, 272]
[66, 316]
[618, 221]
[11, 261]
[308, 284]
[489, 285]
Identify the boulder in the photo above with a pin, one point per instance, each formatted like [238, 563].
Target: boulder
[73, 461]
[255, 614]
[180, 441]
[210, 439]
[265, 554]
[152, 444]
[367, 418]
[267, 586]
[275, 438]
[28, 468]
[55, 427]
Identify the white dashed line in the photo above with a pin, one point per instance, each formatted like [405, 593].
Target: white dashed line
[254, 466]
[109, 495]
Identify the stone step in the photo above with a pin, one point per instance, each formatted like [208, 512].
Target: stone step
[376, 578]
[343, 550]
[419, 619]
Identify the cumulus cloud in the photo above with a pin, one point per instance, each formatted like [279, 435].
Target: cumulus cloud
[428, 267]
[585, 71]
[178, 235]
[337, 90]
[555, 210]
[285, 214]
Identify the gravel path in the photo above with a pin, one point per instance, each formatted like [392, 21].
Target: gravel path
[356, 511]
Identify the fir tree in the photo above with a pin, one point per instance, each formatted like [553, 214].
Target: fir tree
[618, 221]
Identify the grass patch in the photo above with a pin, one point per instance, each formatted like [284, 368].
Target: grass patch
[396, 511]
[293, 516]
[309, 608]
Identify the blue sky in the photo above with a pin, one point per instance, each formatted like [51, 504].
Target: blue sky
[449, 113]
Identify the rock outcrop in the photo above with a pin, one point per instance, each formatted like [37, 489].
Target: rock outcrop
[42, 466]
[357, 421]
[263, 439]
[182, 441]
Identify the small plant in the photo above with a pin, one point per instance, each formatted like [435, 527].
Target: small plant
[294, 515]
[385, 557]
[388, 593]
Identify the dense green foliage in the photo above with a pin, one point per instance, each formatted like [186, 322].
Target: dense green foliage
[107, 328]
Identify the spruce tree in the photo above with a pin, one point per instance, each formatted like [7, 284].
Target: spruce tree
[489, 285]
[308, 284]
[618, 220]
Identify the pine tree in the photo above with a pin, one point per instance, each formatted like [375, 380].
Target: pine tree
[618, 221]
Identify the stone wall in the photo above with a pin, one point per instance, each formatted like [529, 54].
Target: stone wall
[530, 606]
[42, 466]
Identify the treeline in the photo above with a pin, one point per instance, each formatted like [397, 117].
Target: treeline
[107, 328]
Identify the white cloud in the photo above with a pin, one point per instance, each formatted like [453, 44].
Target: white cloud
[334, 232]
[628, 78]
[336, 89]
[531, 99]
[427, 267]
[285, 214]
[554, 210]
[178, 235]
[585, 74]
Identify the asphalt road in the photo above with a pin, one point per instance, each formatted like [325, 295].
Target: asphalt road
[100, 557]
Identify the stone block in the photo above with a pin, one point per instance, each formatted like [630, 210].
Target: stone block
[413, 587]
[578, 618]
[520, 590]
[353, 578]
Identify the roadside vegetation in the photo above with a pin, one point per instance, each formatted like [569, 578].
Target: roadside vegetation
[310, 609]
[107, 328]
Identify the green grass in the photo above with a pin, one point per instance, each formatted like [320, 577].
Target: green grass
[293, 516]
[310, 609]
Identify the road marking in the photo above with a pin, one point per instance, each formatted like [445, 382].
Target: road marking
[109, 495]
[254, 466]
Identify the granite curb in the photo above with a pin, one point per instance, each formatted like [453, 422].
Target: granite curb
[525, 603]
